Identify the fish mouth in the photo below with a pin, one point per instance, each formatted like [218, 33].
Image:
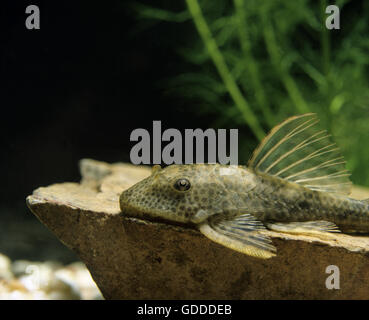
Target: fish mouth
[130, 211]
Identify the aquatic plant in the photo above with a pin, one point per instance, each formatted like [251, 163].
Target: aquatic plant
[255, 63]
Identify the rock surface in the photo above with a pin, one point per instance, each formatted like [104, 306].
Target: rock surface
[135, 259]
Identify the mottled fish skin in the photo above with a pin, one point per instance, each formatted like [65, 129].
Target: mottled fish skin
[284, 201]
[233, 190]
[157, 197]
[295, 182]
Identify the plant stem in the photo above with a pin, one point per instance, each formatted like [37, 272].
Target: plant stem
[219, 62]
[324, 40]
[273, 50]
[159, 14]
[252, 66]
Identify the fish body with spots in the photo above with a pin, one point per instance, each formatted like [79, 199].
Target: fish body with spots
[297, 186]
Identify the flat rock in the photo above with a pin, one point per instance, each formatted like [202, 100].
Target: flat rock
[134, 259]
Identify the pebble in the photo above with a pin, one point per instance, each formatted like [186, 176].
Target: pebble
[29, 280]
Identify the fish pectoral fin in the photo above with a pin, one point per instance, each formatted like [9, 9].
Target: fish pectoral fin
[241, 234]
[321, 229]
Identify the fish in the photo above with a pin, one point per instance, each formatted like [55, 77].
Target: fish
[295, 182]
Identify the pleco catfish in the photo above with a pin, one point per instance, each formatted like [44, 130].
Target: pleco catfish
[295, 182]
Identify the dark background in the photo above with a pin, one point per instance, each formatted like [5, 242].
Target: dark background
[74, 89]
[94, 72]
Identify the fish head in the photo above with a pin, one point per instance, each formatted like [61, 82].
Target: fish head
[176, 193]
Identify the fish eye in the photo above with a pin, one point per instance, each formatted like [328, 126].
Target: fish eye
[182, 184]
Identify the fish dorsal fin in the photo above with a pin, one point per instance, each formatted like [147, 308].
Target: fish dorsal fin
[156, 168]
[297, 150]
